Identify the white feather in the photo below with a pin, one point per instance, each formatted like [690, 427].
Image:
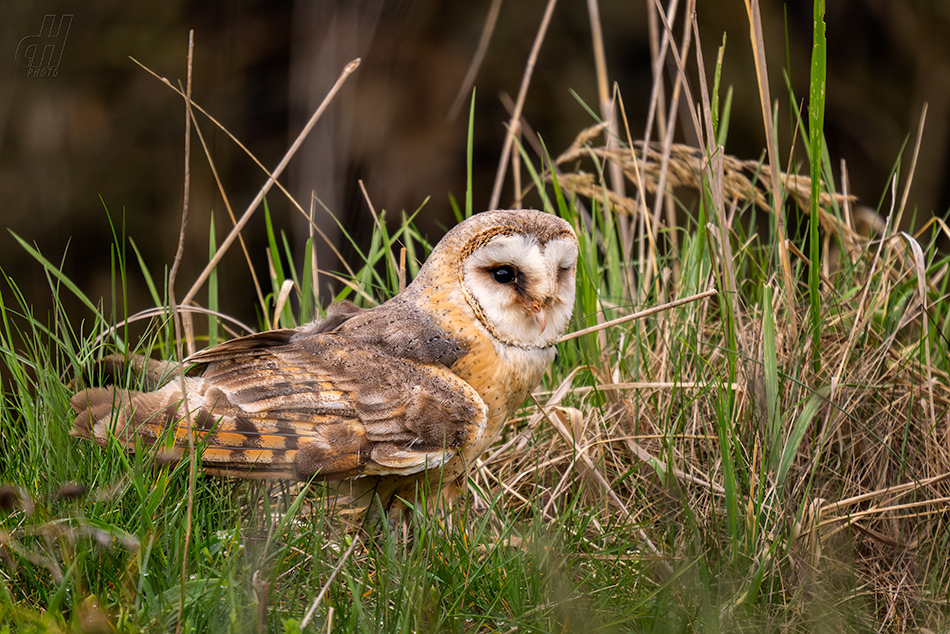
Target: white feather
[502, 309]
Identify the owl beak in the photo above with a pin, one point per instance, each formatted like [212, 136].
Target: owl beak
[538, 315]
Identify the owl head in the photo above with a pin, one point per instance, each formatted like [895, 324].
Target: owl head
[515, 269]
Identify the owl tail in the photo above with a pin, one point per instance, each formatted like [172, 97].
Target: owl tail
[130, 416]
[126, 415]
[93, 406]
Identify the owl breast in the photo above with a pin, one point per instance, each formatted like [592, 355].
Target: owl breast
[502, 374]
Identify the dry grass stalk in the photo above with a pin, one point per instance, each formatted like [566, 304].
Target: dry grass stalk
[743, 180]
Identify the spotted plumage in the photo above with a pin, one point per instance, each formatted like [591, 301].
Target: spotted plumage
[416, 387]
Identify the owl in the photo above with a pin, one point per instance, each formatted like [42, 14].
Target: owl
[415, 388]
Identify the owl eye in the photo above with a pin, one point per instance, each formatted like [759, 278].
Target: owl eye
[504, 274]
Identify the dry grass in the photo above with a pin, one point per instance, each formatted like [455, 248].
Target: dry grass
[843, 479]
[743, 181]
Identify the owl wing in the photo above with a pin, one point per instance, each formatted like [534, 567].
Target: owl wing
[266, 406]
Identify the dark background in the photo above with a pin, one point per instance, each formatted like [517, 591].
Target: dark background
[104, 133]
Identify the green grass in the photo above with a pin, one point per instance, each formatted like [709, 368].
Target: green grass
[710, 468]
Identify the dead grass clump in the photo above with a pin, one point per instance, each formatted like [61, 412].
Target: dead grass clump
[822, 463]
[744, 181]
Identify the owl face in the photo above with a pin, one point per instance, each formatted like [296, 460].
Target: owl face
[517, 275]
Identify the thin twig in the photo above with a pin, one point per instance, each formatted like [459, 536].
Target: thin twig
[892, 491]
[680, 84]
[607, 109]
[230, 210]
[514, 123]
[655, 115]
[314, 271]
[197, 108]
[326, 586]
[638, 315]
[232, 236]
[913, 167]
[765, 100]
[659, 465]
[466, 88]
[176, 318]
[149, 313]
[713, 166]
[921, 270]
[378, 221]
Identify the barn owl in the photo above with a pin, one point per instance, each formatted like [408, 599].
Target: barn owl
[416, 387]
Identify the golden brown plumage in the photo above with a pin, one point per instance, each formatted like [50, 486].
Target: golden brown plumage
[416, 387]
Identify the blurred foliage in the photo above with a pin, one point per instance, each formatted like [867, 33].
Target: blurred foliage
[102, 128]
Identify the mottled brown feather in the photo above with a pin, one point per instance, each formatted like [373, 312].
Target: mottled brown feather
[309, 410]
